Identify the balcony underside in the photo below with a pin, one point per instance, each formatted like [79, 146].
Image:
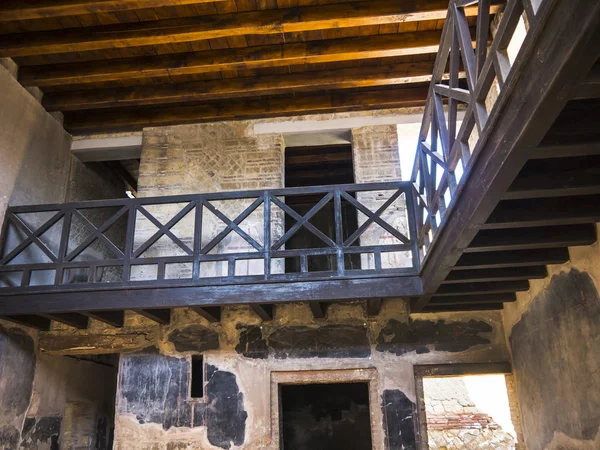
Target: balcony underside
[531, 189]
[207, 296]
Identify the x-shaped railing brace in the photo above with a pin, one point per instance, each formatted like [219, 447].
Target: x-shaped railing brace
[32, 236]
[164, 230]
[97, 233]
[374, 217]
[303, 221]
[233, 225]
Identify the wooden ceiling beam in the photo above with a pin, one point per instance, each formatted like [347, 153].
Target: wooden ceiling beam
[478, 299]
[134, 119]
[265, 311]
[193, 63]
[29, 320]
[533, 237]
[45, 9]
[545, 212]
[359, 77]
[189, 29]
[160, 316]
[112, 318]
[514, 258]
[462, 307]
[211, 313]
[502, 274]
[74, 320]
[491, 287]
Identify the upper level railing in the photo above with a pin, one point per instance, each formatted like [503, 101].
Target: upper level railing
[476, 84]
[312, 233]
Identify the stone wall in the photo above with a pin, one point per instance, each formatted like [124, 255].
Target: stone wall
[244, 355]
[52, 402]
[554, 336]
[455, 421]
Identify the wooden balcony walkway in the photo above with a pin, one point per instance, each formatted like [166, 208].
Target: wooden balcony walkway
[68, 262]
[518, 182]
[493, 200]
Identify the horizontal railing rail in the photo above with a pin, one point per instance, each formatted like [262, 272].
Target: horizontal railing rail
[278, 235]
[448, 145]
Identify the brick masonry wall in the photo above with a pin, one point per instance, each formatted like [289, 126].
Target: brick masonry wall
[207, 158]
[376, 159]
[228, 156]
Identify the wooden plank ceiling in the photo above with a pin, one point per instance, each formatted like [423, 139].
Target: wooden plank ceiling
[112, 65]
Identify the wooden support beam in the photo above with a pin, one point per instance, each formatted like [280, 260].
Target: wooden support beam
[210, 313]
[464, 307]
[30, 321]
[359, 77]
[265, 312]
[545, 212]
[319, 309]
[590, 86]
[557, 177]
[374, 306]
[577, 122]
[136, 119]
[92, 343]
[113, 318]
[533, 237]
[490, 287]
[515, 258]
[312, 52]
[161, 316]
[502, 274]
[189, 29]
[75, 320]
[45, 9]
[204, 296]
[568, 150]
[500, 297]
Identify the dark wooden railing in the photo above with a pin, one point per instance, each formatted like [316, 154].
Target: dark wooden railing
[448, 148]
[208, 239]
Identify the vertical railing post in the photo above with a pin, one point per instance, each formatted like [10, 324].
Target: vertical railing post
[267, 234]
[410, 193]
[339, 233]
[197, 238]
[63, 245]
[129, 238]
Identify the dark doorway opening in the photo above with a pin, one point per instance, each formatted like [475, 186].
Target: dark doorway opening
[325, 417]
[319, 166]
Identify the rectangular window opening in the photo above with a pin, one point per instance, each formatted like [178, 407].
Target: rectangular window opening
[468, 411]
[197, 378]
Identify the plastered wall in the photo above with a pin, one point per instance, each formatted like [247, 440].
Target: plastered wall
[51, 402]
[34, 149]
[245, 356]
[553, 331]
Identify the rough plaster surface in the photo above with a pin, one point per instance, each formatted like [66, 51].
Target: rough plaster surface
[246, 359]
[36, 392]
[554, 338]
[34, 149]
